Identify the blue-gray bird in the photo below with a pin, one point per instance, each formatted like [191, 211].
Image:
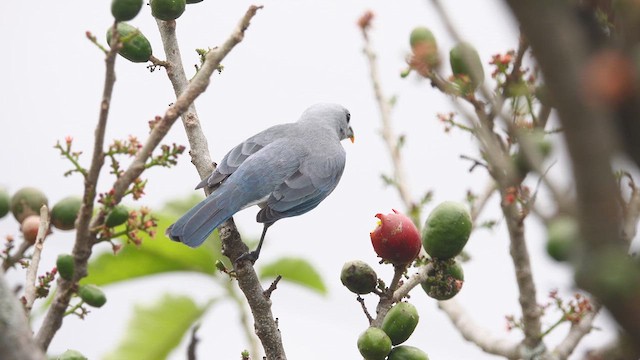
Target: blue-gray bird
[286, 169]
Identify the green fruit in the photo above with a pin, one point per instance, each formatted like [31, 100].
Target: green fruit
[445, 280]
[421, 35]
[92, 295]
[465, 61]
[66, 266]
[446, 230]
[400, 322]
[424, 47]
[562, 237]
[65, 212]
[27, 201]
[125, 10]
[71, 355]
[135, 46]
[358, 277]
[117, 216]
[5, 201]
[404, 352]
[167, 9]
[374, 344]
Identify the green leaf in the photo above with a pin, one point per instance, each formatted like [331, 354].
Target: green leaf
[295, 270]
[154, 331]
[153, 256]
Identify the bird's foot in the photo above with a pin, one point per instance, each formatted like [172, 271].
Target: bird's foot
[251, 256]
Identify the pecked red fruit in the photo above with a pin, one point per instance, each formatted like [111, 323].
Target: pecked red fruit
[396, 239]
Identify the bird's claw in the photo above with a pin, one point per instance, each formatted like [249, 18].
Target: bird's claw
[251, 256]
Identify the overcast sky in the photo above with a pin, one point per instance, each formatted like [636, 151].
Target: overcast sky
[295, 53]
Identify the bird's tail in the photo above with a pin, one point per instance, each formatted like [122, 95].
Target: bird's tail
[194, 227]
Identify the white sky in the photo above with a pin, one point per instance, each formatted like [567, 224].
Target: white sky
[295, 53]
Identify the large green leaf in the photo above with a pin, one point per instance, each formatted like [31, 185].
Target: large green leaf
[154, 331]
[295, 270]
[153, 256]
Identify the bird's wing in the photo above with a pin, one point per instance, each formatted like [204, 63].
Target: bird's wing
[234, 158]
[314, 180]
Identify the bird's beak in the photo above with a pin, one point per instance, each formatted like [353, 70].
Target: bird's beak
[350, 135]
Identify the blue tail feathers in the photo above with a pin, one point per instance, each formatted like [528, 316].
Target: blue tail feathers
[198, 223]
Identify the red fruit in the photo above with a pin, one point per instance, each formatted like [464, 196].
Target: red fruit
[30, 227]
[396, 239]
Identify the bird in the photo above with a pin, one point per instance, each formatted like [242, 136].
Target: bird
[287, 170]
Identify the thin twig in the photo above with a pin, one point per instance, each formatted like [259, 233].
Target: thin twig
[84, 237]
[193, 343]
[16, 256]
[32, 270]
[388, 298]
[481, 201]
[360, 299]
[390, 138]
[576, 333]
[274, 285]
[413, 281]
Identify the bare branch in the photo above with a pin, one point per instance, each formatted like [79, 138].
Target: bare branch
[193, 343]
[576, 333]
[388, 297]
[265, 324]
[16, 256]
[591, 140]
[390, 138]
[476, 334]
[32, 271]
[531, 312]
[415, 280]
[175, 71]
[84, 238]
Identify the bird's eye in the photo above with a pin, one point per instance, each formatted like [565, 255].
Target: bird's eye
[348, 117]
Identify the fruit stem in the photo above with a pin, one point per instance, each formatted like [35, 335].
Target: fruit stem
[74, 308]
[562, 319]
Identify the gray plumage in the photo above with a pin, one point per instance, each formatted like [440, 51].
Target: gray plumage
[286, 169]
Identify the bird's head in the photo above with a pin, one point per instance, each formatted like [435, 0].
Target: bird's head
[334, 115]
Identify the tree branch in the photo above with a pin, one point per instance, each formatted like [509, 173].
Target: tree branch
[391, 140]
[32, 271]
[476, 334]
[175, 72]
[84, 237]
[531, 312]
[591, 140]
[576, 333]
[16, 341]
[16, 256]
[86, 230]
[265, 325]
